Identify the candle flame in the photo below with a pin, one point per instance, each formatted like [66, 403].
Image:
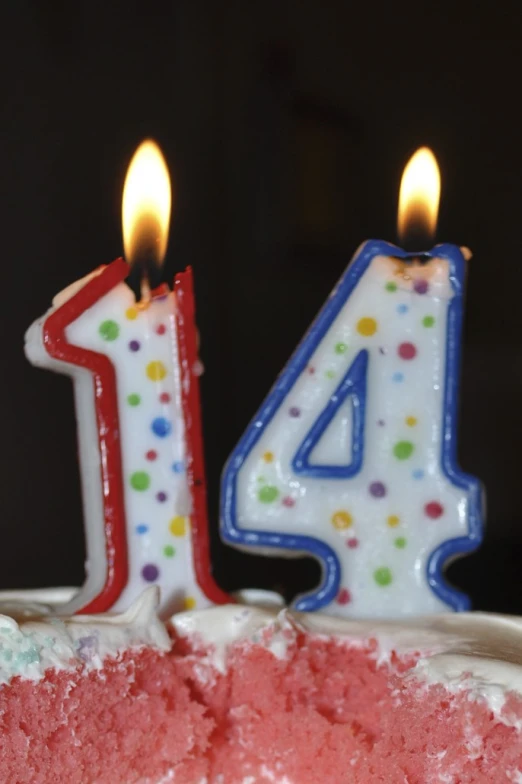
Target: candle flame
[419, 195]
[146, 206]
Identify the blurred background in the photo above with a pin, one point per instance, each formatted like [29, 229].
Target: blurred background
[286, 126]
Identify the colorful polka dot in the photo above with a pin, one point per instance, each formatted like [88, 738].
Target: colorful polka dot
[383, 576]
[398, 377]
[434, 510]
[142, 529]
[330, 374]
[402, 309]
[178, 526]
[189, 603]
[367, 326]
[344, 596]
[295, 412]
[377, 489]
[420, 286]
[150, 573]
[400, 543]
[161, 427]
[407, 351]
[131, 313]
[169, 551]
[178, 467]
[109, 330]
[418, 473]
[342, 519]
[268, 457]
[403, 450]
[411, 421]
[381, 422]
[340, 348]
[164, 397]
[161, 497]
[428, 321]
[352, 543]
[134, 399]
[140, 480]
[156, 370]
[288, 501]
[134, 345]
[151, 454]
[268, 494]
[393, 521]
[310, 370]
[391, 286]
[161, 329]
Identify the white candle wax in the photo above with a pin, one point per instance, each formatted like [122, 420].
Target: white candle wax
[148, 433]
[142, 346]
[351, 457]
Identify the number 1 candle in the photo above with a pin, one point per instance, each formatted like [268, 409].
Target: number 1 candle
[134, 365]
[352, 456]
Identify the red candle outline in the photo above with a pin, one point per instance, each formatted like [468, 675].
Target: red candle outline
[107, 418]
[188, 358]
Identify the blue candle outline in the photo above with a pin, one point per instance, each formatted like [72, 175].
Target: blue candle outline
[450, 549]
[352, 386]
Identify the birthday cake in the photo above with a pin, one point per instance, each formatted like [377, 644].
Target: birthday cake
[351, 459]
[237, 695]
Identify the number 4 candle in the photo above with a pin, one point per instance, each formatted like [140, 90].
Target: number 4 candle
[352, 456]
[134, 366]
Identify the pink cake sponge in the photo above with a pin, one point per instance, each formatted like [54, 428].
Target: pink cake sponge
[131, 721]
[325, 712]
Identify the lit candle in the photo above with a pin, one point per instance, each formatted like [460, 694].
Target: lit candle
[352, 456]
[134, 366]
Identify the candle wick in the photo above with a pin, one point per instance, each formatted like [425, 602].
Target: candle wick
[145, 291]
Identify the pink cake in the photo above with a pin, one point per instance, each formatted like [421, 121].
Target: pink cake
[236, 695]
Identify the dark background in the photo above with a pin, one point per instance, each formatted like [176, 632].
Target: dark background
[286, 126]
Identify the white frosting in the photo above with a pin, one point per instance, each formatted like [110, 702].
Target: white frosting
[35, 601]
[258, 597]
[478, 652]
[29, 646]
[219, 628]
